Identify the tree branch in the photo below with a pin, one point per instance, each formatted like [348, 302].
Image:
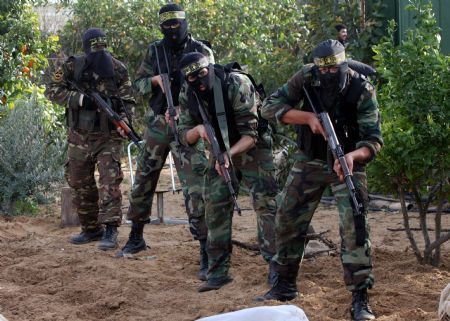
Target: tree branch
[437, 243]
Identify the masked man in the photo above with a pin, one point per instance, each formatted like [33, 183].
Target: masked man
[230, 103]
[93, 139]
[163, 57]
[350, 101]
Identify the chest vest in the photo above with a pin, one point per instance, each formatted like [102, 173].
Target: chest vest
[343, 116]
[91, 120]
[168, 62]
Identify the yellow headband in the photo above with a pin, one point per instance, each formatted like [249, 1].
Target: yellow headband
[163, 17]
[99, 41]
[202, 63]
[330, 60]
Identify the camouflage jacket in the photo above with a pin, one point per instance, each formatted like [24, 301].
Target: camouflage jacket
[366, 118]
[240, 106]
[61, 91]
[149, 68]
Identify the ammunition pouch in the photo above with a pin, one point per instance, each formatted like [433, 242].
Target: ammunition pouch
[86, 120]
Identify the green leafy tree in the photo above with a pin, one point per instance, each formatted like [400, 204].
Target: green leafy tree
[269, 37]
[30, 126]
[266, 36]
[23, 52]
[414, 98]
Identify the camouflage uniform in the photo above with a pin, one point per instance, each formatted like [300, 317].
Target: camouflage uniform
[254, 169]
[159, 140]
[92, 140]
[311, 174]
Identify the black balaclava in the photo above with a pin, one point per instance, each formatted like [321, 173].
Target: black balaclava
[98, 58]
[190, 65]
[331, 53]
[171, 14]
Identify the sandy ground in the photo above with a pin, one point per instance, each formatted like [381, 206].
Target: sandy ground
[43, 277]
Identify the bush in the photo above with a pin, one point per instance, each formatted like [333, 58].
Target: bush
[31, 157]
[415, 107]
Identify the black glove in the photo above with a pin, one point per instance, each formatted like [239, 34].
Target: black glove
[88, 103]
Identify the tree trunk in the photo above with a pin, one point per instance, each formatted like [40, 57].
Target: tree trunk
[408, 231]
[69, 216]
[438, 225]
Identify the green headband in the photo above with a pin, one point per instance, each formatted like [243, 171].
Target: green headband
[163, 17]
[330, 60]
[202, 63]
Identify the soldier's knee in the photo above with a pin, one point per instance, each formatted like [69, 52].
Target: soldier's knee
[78, 176]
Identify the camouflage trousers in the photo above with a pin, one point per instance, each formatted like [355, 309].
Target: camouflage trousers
[95, 206]
[255, 170]
[299, 199]
[159, 140]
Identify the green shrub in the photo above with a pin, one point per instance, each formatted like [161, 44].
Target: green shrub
[31, 156]
[415, 107]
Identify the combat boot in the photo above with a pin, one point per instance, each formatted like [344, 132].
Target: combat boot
[214, 283]
[361, 310]
[109, 239]
[87, 236]
[136, 242]
[285, 287]
[203, 270]
[272, 275]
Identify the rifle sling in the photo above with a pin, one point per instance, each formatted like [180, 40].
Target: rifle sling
[220, 112]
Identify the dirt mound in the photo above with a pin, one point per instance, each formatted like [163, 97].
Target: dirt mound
[43, 277]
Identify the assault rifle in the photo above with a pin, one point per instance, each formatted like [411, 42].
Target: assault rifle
[172, 113]
[170, 107]
[112, 115]
[219, 156]
[338, 153]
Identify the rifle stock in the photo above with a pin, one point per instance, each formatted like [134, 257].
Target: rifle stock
[218, 155]
[338, 153]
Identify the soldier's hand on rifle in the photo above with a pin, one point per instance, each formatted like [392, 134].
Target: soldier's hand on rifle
[226, 165]
[338, 168]
[167, 115]
[121, 131]
[157, 81]
[316, 126]
[201, 132]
